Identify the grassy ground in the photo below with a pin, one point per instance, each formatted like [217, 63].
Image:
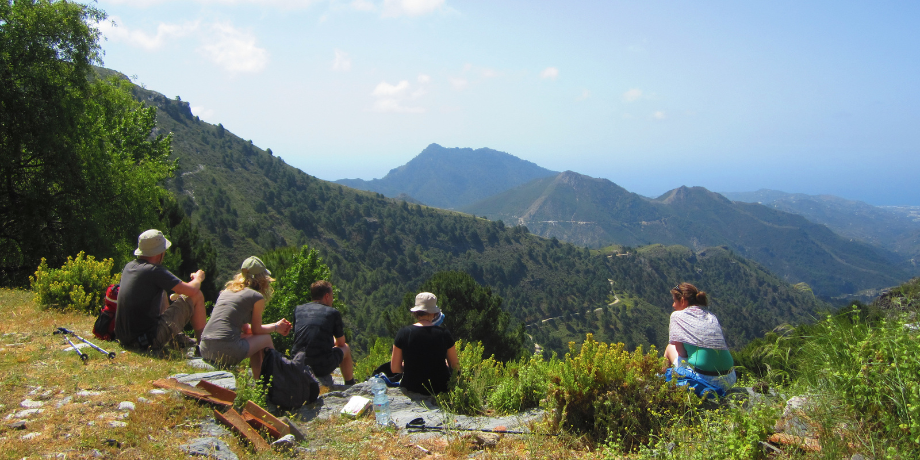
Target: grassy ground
[80, 417]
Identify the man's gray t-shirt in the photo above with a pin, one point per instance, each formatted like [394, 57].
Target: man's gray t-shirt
[315, 328]
[140, 297]
[231, 312]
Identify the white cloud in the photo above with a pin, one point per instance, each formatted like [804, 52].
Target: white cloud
[550, 72]
[490, 73]
[115, 32]
[632, 95]
[423, 79]
[342, 62]
[385, 89]
[233, 49]
[203, 113]
[395, 8]
[659, 115]
[584, 95]
[459, 83]
[391, 98]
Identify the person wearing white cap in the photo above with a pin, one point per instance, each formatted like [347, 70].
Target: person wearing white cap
[235, 330]
[424, 352]
[145, 318]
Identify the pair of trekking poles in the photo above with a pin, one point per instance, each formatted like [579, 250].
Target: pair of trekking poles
[83, 356]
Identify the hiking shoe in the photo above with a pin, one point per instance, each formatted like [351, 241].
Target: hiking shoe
[183, 341]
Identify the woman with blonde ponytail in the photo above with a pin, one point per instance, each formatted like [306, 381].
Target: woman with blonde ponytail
[235, 331]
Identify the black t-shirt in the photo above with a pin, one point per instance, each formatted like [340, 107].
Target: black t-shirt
[140, 297]
[316, 327]
[424, 350]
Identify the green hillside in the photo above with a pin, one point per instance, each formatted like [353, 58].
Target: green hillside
[449, 178]
[597, 213]
[880, 226]
[247, 201]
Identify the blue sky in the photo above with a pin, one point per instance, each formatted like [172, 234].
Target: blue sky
[808, 97]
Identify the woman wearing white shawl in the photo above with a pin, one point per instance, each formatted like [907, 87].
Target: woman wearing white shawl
[696, 346]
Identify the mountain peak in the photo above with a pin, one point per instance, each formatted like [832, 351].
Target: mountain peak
[453, 177]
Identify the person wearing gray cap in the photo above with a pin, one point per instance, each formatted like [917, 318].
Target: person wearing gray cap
[424, 352]
[145, 318]
[235, 331]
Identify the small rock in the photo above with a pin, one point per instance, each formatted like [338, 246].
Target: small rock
[30, 436]
[78, 346]
[143, 400]
[96, 454]
[88, 393]
[484, 440]
[15, 345]
[20, 425]
[157, 391]
[64, 402]
[27, 413]
[117, 424]
[209, 447]
[199, 363]
[35, 391]
[858, 456]
[210, 427]
[295, 429]
[31, 404]
[126, 405]
[284, 443]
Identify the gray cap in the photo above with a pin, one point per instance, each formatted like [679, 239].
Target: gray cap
[426, 302]
[151, 243]
[254, 266]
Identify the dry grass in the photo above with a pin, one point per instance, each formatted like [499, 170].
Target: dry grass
[34, 366]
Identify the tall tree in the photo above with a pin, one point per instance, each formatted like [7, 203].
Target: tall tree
[78, 166]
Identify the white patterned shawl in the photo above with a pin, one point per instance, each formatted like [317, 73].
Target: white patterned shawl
[697, 327]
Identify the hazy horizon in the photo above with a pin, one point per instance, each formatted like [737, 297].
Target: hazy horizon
[815, 98]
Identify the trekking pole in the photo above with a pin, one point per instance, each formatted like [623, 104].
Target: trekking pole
[418, 424]
[110, 354]
[80, 353]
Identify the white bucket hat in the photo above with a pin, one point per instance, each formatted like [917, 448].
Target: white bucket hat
[426, 302]
[151, 243]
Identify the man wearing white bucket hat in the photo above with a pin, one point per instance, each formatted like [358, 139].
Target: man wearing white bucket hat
[145, 318]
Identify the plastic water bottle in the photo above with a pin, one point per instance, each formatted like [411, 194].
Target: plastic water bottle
[381, 401]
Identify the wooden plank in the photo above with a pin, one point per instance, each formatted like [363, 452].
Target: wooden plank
[218, 393]
[260, 424]
[232, 419]
[186, 389]
[267, 417]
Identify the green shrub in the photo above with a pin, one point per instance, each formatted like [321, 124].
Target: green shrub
[726, 433]
[609, 394]
[248, 388]
[871, 370]
[523, 386]
[471, 385]
[379, 353]
[80, 284]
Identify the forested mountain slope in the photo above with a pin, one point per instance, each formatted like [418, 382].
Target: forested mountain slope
[449, 178]
[597, 212]
[880, 226]
[248, 201]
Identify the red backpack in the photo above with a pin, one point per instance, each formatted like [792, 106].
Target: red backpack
[105, 324]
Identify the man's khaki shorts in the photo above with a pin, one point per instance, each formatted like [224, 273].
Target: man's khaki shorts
[173, 321]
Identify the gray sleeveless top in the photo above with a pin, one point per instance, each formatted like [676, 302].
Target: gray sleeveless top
[231, 312]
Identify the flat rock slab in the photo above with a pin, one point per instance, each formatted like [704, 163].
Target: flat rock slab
[199, 363]
[406, 406]
[220, 378]
[209, 447]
